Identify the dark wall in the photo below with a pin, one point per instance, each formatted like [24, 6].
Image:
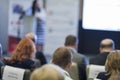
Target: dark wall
[89, 39]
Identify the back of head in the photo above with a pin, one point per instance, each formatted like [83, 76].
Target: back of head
[31, 36]
[107, 45]
[24, 50]
[70, 40]
[35, 6]
[112, 65]
[62, 57]
[48, 72]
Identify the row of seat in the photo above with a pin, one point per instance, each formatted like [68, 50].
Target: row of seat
[9, 72]
[93, 70]
[13, 73]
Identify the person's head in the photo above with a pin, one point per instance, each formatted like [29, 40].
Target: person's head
[106, 45]
[35, 6]
[24, 50]
[62, 57]
[32, 36]
[112, 65]
[48, 72]
[71, 41]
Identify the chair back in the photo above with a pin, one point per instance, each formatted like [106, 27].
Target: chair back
[93, 70]
[73, 71]
[37, 63]
[13, 73]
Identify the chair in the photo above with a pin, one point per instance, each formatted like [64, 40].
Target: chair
[13, 72]
[37, 63]
[73, 71]
[93, 70]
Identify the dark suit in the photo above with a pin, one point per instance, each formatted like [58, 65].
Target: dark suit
[103, 76]
[100, 59]
[82, 62]
[40, 56]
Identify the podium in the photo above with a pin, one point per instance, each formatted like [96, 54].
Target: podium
[29, 25]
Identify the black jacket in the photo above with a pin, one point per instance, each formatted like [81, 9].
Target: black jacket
[100, 59]
[25, 64]
[103, 76]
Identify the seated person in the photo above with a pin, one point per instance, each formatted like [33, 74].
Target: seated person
[1, 63]
[63, 58]
[106, 45]
[39, 54]
[71, 42]
[47, 72]
[23, 55]
[112, 67]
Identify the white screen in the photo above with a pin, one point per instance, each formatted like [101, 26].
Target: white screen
[101, 15]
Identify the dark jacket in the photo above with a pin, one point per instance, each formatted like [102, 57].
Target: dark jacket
[82, 62]
[40, 56]
[25, 64]
[100, 59]
[103, 76]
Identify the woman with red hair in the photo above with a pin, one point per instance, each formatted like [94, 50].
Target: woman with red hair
[23, 55]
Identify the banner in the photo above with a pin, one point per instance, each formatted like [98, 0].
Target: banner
[62, 20]
[16, 27]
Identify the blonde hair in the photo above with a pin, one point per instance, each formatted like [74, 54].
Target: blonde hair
[112, 65]
[47, 72]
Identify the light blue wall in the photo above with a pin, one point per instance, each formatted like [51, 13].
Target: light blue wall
[4, 7]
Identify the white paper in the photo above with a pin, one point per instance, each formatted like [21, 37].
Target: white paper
[94, 70]
[12, 73]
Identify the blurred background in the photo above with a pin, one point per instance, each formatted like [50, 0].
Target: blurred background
[90, 20]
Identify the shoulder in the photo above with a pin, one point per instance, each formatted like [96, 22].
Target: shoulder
[100, 56]
[80, 58]
[67, 76]
[79, 55]
[28, 61]
[28, 64]
[95, 57]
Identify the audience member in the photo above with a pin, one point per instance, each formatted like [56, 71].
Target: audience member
[1, 51]
[31, 36]
[48, 72]
[71, 42]
[106, 46]
[1, 63]
[23, 55]
[112, 67]
[39, 54]
[63, 58]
